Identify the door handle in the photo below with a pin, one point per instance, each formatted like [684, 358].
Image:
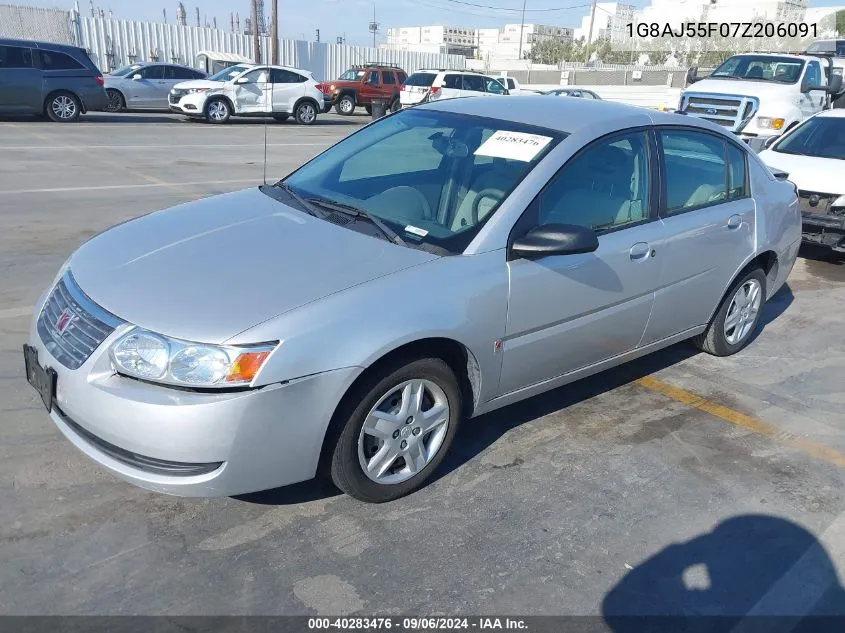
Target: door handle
[734, 222]
[640, 251]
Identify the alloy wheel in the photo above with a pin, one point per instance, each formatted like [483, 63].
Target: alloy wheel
[217, 111]
[307, 113]
[403, 431]
[742, 312]
[63, 107]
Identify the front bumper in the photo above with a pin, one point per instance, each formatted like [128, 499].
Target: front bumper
[189, 105]
[186, 443]
[823, 230]
[755, 141]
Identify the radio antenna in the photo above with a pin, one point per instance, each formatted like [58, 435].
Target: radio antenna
[265, 152]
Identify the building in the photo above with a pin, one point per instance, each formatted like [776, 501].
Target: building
[504, 43]
[610, 21]
[677, 12]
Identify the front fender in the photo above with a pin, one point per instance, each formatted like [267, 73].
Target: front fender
[462, 298]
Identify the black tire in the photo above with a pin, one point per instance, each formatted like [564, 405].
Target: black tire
[714, 340]
[116, 102]
[281, 118]
[395, 105]
[218, 111]
[345, 105]
[63, 107]
[306, 113]
[369, 109]
[342, 460]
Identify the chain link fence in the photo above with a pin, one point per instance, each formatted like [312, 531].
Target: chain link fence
[35, 23]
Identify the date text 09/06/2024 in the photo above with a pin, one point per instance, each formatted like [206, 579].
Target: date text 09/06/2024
[418, 624]
[721, 29]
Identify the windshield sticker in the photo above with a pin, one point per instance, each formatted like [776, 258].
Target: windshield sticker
[513, 145]
[416, 231]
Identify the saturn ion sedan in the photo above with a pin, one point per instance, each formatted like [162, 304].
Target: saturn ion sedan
[439, 263]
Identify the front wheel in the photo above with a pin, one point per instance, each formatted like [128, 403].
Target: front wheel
[63, 107]
[218, 111]
[306, 113]
[396, 430]
[345, 105]
[734, 323]
[116, 102]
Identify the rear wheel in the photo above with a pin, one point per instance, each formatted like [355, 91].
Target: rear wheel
[63, 107]
[345, 105]
[116, 102]
[397, 428]
[395, 105]
[369, 109]
[218, 111]
[734, 323]
[306, 113]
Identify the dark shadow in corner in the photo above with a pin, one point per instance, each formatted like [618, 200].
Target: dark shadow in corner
[752, 573]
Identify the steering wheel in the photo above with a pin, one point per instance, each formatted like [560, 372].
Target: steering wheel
[400, 198]
[490, 192]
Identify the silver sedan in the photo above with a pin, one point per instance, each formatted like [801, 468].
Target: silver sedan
[145, 86]
[440, 263]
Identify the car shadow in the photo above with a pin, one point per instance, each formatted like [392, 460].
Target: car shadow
[821, 254]
[478, 434]
[751, 573]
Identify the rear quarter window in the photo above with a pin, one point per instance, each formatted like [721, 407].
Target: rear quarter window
[53, 60]
[420, 79]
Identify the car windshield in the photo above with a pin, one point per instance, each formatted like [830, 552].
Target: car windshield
[761, 68]
[434, 178]
[122, 72]
[828, 47]
[822, 137]
[351, 75]
[228, 73]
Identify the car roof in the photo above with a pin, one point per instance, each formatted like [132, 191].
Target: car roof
[563, 115]
[291, 68]
[36, 44]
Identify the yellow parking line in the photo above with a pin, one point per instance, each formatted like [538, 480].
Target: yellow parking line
[743, 421]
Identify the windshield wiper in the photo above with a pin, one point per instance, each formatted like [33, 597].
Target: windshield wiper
[355, 212]
[307, 206]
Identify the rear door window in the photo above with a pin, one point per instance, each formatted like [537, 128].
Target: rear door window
[696, 170]
[387, 77]
[51, 60]
[452, 81]
[152, 72]
[281, 76]
[177, 72]
[15, 57]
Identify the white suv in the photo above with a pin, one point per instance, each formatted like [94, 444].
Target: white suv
[249, 90]
[432, 85]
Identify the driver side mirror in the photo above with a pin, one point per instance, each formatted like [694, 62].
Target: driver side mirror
[555, 239]
[136, 77]
[770, 141]
[692, 75]
[835, 84]
[242, 80]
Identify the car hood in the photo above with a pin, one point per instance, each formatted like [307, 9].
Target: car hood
[198, 83]
[341, 83]
[809, 173]
[208, 270]
[740, 87]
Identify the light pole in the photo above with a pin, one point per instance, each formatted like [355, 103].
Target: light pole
[522, 28]
[590, 33]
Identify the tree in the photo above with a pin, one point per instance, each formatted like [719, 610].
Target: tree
[840, 23]
[550, 51]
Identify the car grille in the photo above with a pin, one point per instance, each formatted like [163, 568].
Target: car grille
[818, 203]
[175, 95]
[729, 111]
[71, 326]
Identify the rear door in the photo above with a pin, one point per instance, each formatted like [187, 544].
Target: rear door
[370, 87]
[388, 84]
[252, 92]
[287, 88]
[709, 218]
[20, 82]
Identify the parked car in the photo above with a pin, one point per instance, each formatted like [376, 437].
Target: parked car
[758, 96]
[437, 264]
[249, 90]
[812, 156]
[145, 86]
[511, 85]
[359, 85]
[573, 92]
[55, 80]
[435, 85]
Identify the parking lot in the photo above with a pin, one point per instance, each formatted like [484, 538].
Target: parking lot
[679, 483]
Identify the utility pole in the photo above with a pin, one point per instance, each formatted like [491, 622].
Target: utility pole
[318, 36]
[590, 33]
[274, 31]
[373, 27]
[256, 38]
[522, 28]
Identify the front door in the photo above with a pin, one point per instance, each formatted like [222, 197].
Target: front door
[252, 92]
[20, 82]
[568, 312]
[709, 217]
[144, 91]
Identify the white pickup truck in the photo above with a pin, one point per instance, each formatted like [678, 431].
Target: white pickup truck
[835, 49]
[759, 96]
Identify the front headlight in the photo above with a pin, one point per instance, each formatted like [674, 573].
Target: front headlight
[149, 356]
[839, 202]
[769, 122]
[195, 90]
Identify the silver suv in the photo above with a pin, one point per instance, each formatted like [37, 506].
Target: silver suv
[434, 85]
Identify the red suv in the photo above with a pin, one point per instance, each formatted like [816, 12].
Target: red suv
[359, 85]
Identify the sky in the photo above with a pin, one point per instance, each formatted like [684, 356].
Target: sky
[350, 18]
